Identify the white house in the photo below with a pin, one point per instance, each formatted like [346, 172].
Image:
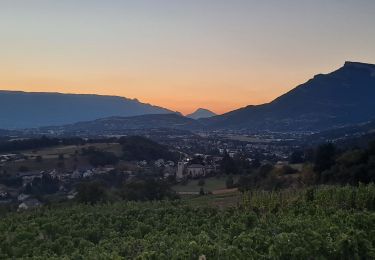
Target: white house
[29, 204]
[159, 163]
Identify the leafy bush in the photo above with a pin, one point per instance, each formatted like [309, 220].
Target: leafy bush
[91, 192]
[137, 148]
[100, 158]
[148, 189]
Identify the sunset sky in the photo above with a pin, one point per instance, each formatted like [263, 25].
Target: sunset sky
[180, 54]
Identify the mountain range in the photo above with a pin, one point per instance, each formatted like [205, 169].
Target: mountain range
[34, 109]
[345, 96]
[118, 124]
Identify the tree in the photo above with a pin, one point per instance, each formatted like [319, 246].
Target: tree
[102, 158]
[137, 148]
[228, 165]
[229, 182]
[296, 157]
[245, 183]
[256, 163]
[286, 169]
[61, 164]
[264, 170]
[324, 157]
[147, 189]
[371, 148]
[91, 192]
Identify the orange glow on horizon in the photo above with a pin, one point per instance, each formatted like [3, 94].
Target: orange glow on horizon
[181, 55]
[180, 88]
[168, 93]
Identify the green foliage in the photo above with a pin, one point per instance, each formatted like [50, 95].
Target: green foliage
[100, 158]
[91, 192]
[266, 177]
[37, 143]
[319, 223]
[325, 157]
[201, 182]
[148, 189]
[352, 167]
[136, 148]
[296, 157]
[228, 165]
[229, 183]
[286, 169]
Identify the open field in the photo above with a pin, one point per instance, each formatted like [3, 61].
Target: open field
[251, 139]
[224, 200]
[54, 152]
[50, 157]
[211, 184]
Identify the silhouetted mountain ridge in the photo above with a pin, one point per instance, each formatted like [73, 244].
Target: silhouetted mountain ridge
[345, 96]
[114, 124]
[201, 113]
[34, 109]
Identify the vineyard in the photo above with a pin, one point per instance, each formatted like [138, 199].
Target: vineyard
[323, 222]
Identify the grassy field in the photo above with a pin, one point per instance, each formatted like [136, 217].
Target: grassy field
[211, 184]
[225, 200]
[50, 157]
[53, 152]
[244, 138]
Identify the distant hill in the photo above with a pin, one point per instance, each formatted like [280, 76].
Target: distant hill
[201, 113]
[118, 124]
[345, 96]
[357, 134]
[4, 132]
[137, 148]
[34, 109]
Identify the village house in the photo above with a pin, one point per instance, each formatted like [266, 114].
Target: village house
[102, 170]
[4, 195]
[87, 174]
[170, 163]
[76, 174]
[184, 170]
[10, 157]
[29, 204]
[71, 195]
[22, 197]
[159, 163]
[196, 170]
[28, 177]
[142, 163]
